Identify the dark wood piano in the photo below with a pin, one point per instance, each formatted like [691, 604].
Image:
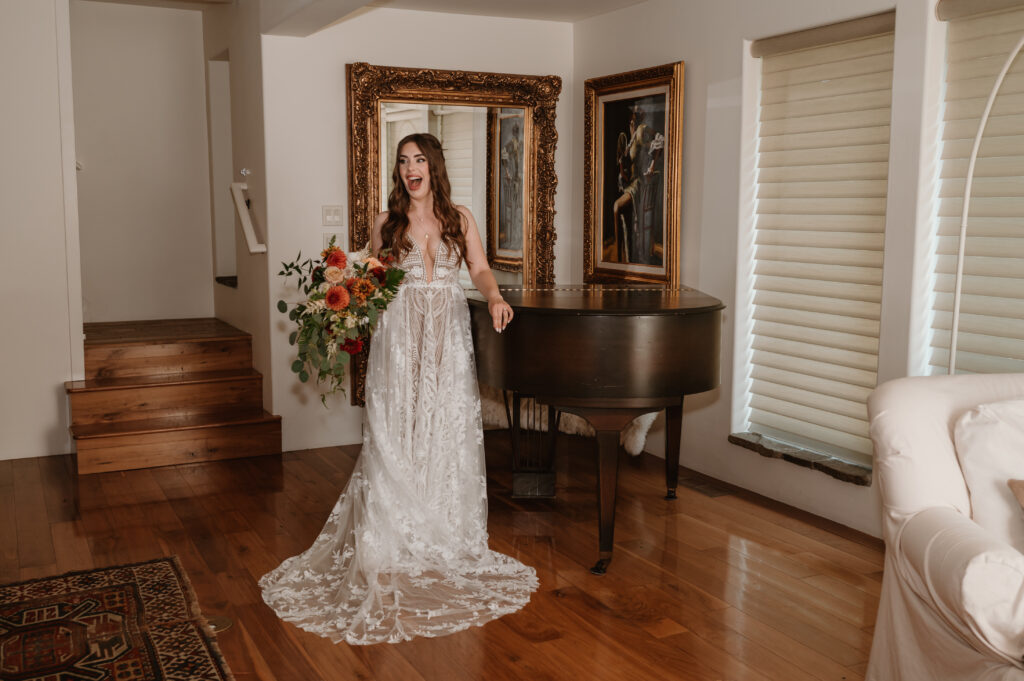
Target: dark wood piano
[608, 353]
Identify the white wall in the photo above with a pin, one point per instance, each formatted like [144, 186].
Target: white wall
[37, 350]
[144, 198]
[234, 29]
[302, 17]
[218, 75]
[306, 137]
[709, 37]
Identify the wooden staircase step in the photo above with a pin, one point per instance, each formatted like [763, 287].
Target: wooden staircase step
[154, 347]
[117, 360]
[143, 398]
[181, 378]
[159, 331]
[167, 423]
[152, 446]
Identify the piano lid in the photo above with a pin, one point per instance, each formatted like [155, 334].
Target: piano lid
[605, 299]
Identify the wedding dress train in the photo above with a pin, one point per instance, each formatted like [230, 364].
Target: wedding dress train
[404, 552]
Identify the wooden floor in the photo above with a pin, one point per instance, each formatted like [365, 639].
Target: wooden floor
[716, 585]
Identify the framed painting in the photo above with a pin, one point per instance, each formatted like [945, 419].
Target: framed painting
[633, 130]
[506, 217]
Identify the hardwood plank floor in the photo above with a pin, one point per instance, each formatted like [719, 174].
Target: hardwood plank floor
[717, 585]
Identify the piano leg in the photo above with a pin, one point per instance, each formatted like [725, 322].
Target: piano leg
[607, 476]
[673, 438]
[608, 422]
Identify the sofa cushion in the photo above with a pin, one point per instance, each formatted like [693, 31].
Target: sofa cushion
[990, 447]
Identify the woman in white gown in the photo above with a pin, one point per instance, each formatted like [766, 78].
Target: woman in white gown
[404, 552]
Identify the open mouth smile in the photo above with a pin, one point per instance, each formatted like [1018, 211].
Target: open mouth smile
[414, 182]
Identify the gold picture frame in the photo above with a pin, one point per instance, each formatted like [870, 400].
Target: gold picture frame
[632, 186]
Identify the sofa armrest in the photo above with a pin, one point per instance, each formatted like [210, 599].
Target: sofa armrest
[974, 580]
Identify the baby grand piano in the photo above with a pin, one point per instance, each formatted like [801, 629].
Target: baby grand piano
[608, 353]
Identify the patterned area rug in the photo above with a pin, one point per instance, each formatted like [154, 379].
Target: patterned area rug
[136, 622]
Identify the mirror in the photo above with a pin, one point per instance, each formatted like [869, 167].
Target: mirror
[483, 148]
[498, 132]
[517, 203]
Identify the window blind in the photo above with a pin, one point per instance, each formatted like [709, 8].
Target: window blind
[457, 138]
[823, 151]
[991, 337]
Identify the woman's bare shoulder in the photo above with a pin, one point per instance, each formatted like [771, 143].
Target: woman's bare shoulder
[467, 216]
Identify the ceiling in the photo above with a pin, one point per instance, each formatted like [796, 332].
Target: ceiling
[548, 10]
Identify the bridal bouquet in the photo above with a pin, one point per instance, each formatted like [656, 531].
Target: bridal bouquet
[346, 292]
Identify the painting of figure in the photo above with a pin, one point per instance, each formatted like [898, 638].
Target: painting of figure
[506, 221]
[632, 175]
[510, 195]
[634, 181]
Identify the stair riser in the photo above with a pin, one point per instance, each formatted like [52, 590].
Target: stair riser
[136, 359]
[97, 455]
[239, 395]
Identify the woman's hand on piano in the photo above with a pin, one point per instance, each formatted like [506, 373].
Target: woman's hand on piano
[501, 313]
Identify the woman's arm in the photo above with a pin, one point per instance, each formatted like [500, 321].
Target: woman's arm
[480, 272]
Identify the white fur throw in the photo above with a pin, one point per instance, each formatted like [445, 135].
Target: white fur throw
[633, 437]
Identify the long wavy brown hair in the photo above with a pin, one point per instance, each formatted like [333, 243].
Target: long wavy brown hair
[394, 232]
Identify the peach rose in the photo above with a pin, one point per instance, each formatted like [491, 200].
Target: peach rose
[334, 275]
[372, 262]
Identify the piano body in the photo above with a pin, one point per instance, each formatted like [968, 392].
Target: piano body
[608, 353]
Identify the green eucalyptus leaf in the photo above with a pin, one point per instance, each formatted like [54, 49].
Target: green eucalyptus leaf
[304, 376]
[282, 306]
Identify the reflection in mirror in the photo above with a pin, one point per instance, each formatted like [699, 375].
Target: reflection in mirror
[483, 148]
[505, 220]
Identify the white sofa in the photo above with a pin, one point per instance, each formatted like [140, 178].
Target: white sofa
[952, 603]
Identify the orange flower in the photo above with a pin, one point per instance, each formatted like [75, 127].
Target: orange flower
[361, 289]
[335, 257]
[337, 298]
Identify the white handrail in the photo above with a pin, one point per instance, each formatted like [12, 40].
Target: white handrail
[243, 214]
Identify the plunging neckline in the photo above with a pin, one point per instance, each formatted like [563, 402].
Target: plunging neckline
[433, 261]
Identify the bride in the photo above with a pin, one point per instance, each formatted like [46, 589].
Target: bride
[404, 552]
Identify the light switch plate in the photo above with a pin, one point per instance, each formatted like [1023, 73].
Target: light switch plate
[332, 216]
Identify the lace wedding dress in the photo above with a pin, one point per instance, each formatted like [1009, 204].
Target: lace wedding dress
[404, 552]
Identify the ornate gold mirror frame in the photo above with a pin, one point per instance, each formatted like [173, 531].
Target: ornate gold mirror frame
[369, 85]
